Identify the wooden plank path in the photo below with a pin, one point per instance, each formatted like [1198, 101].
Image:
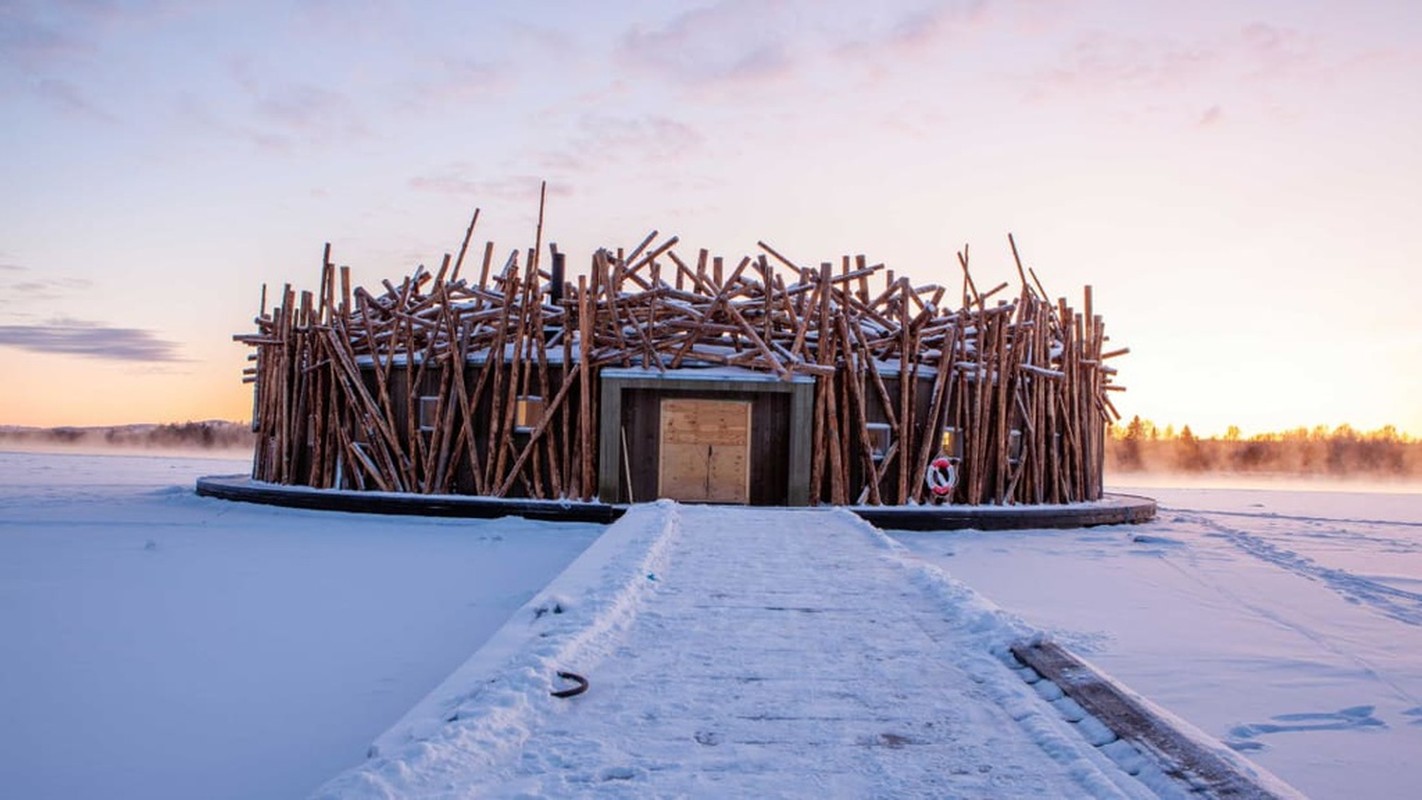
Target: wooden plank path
[767, 653]
[786, 645]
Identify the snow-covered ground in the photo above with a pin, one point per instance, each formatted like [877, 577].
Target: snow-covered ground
[1285, 623]
[744, 653]
[157, 644]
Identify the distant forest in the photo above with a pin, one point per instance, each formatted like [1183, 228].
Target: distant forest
[207, 435]
[1140, 446]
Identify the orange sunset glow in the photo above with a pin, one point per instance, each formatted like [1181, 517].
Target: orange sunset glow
[1236, 181]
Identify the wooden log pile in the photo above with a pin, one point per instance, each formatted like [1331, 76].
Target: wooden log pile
[422, 385]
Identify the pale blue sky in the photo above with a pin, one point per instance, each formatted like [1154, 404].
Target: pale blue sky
[1239, 181]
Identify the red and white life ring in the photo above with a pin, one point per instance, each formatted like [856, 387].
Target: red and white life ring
[942, 476]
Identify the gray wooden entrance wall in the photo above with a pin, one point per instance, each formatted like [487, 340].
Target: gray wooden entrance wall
[705, 383]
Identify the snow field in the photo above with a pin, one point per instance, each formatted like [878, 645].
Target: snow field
[1286, 624]
[569, 621]
[156, 644]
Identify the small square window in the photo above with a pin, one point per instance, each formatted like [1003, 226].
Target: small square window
[429, 413]
[879, 435]
[951, 444]
[528, 413]
[1014, 446]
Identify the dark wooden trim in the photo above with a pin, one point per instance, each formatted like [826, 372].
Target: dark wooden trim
[1178, 755]
[1112, 509]
[244, 489]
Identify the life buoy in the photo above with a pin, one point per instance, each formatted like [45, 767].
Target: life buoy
[942, 476]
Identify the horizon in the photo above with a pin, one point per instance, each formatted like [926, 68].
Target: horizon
[1166, 432]
[1231, 179]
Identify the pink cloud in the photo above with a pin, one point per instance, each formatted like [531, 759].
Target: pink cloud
[731, 41]
[1274, 52]
[1101, 61]
[930, 27]
[603, 140]
[456, 80]
[1260, 54]
[463, 179]
[91, 339]
[281, 114]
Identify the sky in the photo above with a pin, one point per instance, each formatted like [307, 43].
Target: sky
[1237, 181]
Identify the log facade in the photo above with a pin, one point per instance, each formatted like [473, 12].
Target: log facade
[759, 381]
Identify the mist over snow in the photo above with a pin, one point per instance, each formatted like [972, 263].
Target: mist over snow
[211, 438]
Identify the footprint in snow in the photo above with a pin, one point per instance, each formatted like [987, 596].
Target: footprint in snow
[619, 774]
[1353, 718]
[1146, 538]
[1416, 714]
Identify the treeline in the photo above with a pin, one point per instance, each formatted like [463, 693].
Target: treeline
[1342, 451]
[206, 435]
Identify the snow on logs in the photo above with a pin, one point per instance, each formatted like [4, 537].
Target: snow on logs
[353, 390]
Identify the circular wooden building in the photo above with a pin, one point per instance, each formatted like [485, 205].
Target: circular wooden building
[759, 382]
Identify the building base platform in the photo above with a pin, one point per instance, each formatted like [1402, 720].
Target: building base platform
[1112, 509]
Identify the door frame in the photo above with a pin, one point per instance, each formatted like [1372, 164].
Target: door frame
[706, 383]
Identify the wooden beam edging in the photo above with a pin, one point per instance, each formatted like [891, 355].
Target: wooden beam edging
[1166, 742]
[241, 488]
[246, 489]
[1111, 509]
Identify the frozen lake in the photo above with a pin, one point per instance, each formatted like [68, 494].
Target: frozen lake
[1286, 623]
[157, 644]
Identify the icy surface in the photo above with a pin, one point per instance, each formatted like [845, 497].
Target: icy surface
[156, 644]
[1287, 624]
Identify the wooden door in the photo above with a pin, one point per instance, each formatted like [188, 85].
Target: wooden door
[705, 450]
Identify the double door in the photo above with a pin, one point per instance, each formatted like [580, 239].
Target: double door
[705, 450]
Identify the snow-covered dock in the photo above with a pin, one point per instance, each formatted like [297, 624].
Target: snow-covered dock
[744, 652]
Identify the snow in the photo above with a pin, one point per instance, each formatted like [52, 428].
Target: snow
[157, 644]
[742, 653]
[1287, 624]
[710, 373]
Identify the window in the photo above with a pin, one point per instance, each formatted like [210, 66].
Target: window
[952, 443]
[1014, 446]
[879, 433]
[429, 412]
[528, 413]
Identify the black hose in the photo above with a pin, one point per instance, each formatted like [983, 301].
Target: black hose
[582, 685]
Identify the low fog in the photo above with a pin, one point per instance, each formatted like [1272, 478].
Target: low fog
[1340, 455]
[212, 436]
